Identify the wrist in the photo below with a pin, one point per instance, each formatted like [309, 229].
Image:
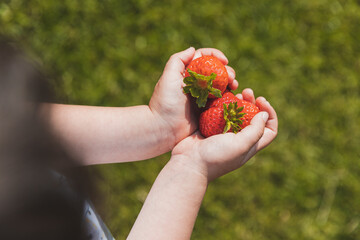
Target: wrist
[164, 131]
[190, 166]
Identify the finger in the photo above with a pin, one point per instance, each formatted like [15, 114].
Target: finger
[234, 85]
[211, 52]
[197, 54]
[231, 73]
[264, 105]
[248, 95]
[271, 127]
[250, 135]
[239, 96]
[175, 67]
[235, 146]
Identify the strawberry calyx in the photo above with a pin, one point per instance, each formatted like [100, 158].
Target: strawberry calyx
[200, 86]
[232, 117]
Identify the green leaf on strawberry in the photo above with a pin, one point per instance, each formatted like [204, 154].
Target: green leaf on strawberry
[199, 86]
[232, 117]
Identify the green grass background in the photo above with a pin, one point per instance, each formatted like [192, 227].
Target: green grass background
[303, 56]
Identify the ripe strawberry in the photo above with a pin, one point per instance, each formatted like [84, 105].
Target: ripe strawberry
[250, 109]
[212, 121]
[231, 117]
[226, 98]
[205, 77]
[221, 119]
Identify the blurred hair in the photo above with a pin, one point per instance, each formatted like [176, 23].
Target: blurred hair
[33, 203]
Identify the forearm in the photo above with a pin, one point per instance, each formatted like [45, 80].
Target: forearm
[172, 205]
[108, 134]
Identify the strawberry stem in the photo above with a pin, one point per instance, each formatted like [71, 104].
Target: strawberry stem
[232, 117]
[200, 86]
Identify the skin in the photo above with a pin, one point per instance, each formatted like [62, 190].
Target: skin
[99, 135]
[169, 123]
[172, 205]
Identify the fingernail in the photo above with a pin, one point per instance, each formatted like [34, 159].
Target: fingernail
[249, 90]
[231, 75]
[188, 48]
[265, 116]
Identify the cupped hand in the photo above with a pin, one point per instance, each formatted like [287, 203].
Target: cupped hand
[175, 112]
[220, 154]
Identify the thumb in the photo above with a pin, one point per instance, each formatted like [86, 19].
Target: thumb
[255, 130]
[177, 63]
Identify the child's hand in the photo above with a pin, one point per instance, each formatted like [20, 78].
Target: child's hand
[173, 109]
[217, 155]
[173, 203]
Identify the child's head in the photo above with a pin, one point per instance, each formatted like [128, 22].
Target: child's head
[32, 203]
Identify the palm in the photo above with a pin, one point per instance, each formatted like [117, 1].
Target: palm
[220, 154]
[176, 110]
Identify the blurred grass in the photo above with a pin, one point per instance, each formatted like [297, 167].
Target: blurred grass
[303, 56]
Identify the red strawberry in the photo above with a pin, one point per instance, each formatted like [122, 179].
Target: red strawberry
[226, 98]
[212, 121]
[205, 77]
[221, 119]
[250, 109]
[231, 117]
